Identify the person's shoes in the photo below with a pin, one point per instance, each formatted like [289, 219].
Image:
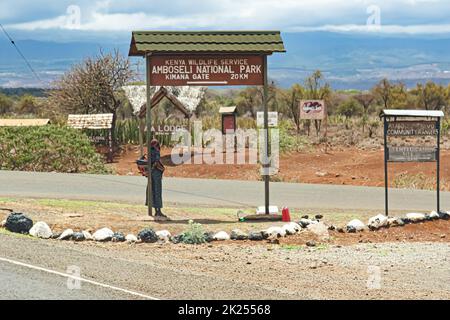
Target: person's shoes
[159, 216]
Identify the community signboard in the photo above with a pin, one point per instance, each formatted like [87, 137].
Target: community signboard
[409, 127]
[312, 110]
[211, 70]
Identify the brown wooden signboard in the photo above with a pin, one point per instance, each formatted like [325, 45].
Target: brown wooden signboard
[207, 70]
[411, 128]
[312, 110]
[411, 154]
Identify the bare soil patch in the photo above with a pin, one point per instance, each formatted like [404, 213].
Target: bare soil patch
[340, 166]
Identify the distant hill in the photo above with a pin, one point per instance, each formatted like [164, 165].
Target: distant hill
[348, 61]
[37, 92]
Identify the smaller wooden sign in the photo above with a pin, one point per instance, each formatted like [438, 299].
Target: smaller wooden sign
[228, 123]
[312, 110]
[411, 154]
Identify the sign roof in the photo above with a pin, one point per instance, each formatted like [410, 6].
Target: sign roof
[90, 121]
[266, 42]
[412, 113]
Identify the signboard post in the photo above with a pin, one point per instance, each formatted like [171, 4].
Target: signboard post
[206, 58]
[398, 123]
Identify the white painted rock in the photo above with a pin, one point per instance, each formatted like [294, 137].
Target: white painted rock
[131, 238]
[163, 235]
[394, 222]
[377, 222]
[356, 224]
[66, 235]
[291, 228]
[3, 224]
[276, 232]
[87, 235]
[415, 217]
[221, 236]
[319, 229]
[434, 215]
[41, 230]
[104, 234]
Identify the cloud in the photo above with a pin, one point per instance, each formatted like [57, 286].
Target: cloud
[401, 16]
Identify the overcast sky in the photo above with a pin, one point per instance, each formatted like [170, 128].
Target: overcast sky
[44, 17]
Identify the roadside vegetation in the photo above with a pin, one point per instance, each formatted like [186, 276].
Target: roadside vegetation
[94, 86]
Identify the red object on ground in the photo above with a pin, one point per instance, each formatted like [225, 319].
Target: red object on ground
[285, 215]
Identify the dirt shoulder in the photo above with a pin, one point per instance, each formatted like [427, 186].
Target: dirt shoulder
[340, 166]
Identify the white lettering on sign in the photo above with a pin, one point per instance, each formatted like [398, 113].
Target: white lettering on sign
[191, 70]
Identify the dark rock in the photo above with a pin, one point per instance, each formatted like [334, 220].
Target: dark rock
[238, 235]
[351, 229]
[209, 236]
[444, 216]
[305, 216]
[256, 236]
[177, 239]
[56, 235]
[428, 217]
[18, 223]
[319, 216]
[331, 228]
[311, 243]
[340, 230]
[264, 234]
[78, 236]
[147, 236]
[406, 220]
[118, 237]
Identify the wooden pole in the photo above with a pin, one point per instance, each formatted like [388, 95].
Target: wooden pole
[149, 138]
[266, 128]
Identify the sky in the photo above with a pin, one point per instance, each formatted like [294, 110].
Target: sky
[355, 42]
[81, 18]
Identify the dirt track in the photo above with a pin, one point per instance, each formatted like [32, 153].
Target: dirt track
[262, 271]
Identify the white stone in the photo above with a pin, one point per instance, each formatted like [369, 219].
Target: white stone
[41, 230]
[434, 215]
[66, 234]
[221, 236]
[87, 235]
[291, 228]
[392, 221]
[276, 232]
[357, 224]
[378, 221]
[3, 224]
[103, 234]
[415, 217]
[163, 235]
[131, 238]
[320, 230]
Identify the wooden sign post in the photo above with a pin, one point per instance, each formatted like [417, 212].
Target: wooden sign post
[315, 110]
[404, 123]
[206, 58]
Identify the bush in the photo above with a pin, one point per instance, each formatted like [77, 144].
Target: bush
[194, 234]
[350, 108]
[48, 148]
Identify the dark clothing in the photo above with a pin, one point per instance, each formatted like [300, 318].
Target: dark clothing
[157, 175]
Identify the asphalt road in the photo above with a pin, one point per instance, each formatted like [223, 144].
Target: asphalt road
[187, 192]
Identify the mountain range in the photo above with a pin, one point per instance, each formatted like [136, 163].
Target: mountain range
[348, 61]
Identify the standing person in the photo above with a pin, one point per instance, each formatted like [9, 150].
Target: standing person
[157, 174]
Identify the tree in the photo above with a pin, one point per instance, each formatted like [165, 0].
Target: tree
[27, 105]
[94, 86]
[431, 96]
[383, 91]
[366, 100]
[6, 104]
[291, 99]
[350, 108]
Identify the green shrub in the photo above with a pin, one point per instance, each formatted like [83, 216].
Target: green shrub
[194, 234]
[48, 148]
